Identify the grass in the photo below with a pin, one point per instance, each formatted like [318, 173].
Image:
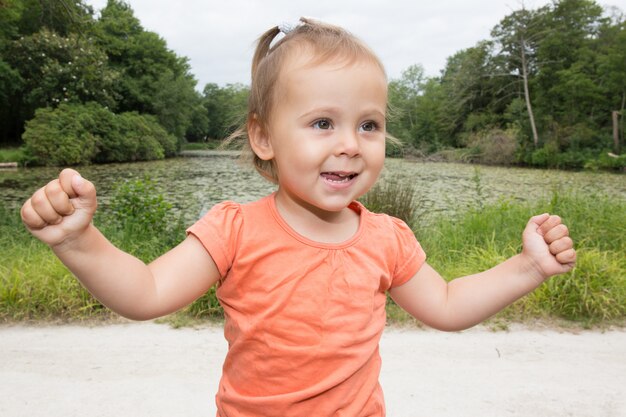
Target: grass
[396, 198]
[594, 292]
[34, 285]
[12, 155]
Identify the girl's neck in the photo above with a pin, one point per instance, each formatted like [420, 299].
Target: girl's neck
[316, 224]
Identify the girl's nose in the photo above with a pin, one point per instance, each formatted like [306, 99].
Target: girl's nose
[348, 144]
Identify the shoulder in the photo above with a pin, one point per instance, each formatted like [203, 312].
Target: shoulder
[394, 238]
[385, 224]
[229, 218]
[231, 210]
[221, 230]
[221, 214]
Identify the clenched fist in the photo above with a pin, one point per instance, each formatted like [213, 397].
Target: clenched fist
[61, 210]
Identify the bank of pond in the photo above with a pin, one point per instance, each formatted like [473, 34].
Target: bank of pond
[467, 218]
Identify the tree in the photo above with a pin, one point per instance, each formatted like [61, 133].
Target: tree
[175, 102]
[404, 94]
[153, 79]
[467, 90]
[225, 108]
[20, 22]
[56, 69]
[517, 36]
[611, 47]
[60, 16]
[565, 56]
[10, 15]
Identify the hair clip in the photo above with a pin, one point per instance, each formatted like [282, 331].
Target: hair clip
[286, 27]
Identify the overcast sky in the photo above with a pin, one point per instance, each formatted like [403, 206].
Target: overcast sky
[218, 36]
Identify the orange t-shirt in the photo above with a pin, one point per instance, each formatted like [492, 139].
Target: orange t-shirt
[303, 318]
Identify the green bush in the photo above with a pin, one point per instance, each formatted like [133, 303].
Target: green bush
[138, 203]
[572, 159]
[607, 160]
[142, 223]
[550, 156]
[494, 146]
[544, 156]
[152, 137]
[61, 136]
[75, 134]
[13, 155]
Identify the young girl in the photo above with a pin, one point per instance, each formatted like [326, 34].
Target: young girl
[302, 273]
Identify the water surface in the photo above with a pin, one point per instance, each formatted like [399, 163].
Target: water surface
[193, 185]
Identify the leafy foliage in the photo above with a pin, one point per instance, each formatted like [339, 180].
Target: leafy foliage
[225, 108]
[75, 134]
[155, 80]
[56, 69]
[138, 203]
[54, 52]
[61, 136]
[553, 75]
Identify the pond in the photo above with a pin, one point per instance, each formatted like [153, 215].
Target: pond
[194, 184]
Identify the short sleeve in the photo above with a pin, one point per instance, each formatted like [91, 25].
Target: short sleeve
[218, 231]
[410, 255]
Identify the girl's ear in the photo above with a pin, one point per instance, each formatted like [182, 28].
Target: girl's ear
[259, 140]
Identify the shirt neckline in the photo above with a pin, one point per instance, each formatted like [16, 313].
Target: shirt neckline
[354, 205]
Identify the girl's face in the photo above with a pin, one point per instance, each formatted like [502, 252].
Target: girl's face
[327, 132]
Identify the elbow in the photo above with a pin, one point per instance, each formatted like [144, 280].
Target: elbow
[449, 324]
[137, 317]
[136, 314]
[453, 327]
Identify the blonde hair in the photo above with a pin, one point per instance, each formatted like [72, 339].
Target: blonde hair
[329, 42]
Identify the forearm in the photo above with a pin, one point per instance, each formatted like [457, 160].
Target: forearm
[466, 301]
[120, 281]
[474, 298]
[547, 251]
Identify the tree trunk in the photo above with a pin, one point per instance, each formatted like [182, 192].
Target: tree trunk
[616, 144]
[529, 107]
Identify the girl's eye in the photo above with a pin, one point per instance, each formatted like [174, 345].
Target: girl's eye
[369, 126]
[323, 124]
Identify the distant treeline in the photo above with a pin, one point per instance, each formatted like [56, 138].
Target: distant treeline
[77, 89]
[548, 89]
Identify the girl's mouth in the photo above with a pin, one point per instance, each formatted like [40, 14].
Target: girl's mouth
[338, 177]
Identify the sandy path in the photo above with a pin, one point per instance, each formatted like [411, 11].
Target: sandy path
[145, 369]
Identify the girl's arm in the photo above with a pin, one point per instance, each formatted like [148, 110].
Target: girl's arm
[60, 215]
[464, 302]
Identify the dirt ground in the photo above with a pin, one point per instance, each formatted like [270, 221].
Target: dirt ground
[148, 369]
